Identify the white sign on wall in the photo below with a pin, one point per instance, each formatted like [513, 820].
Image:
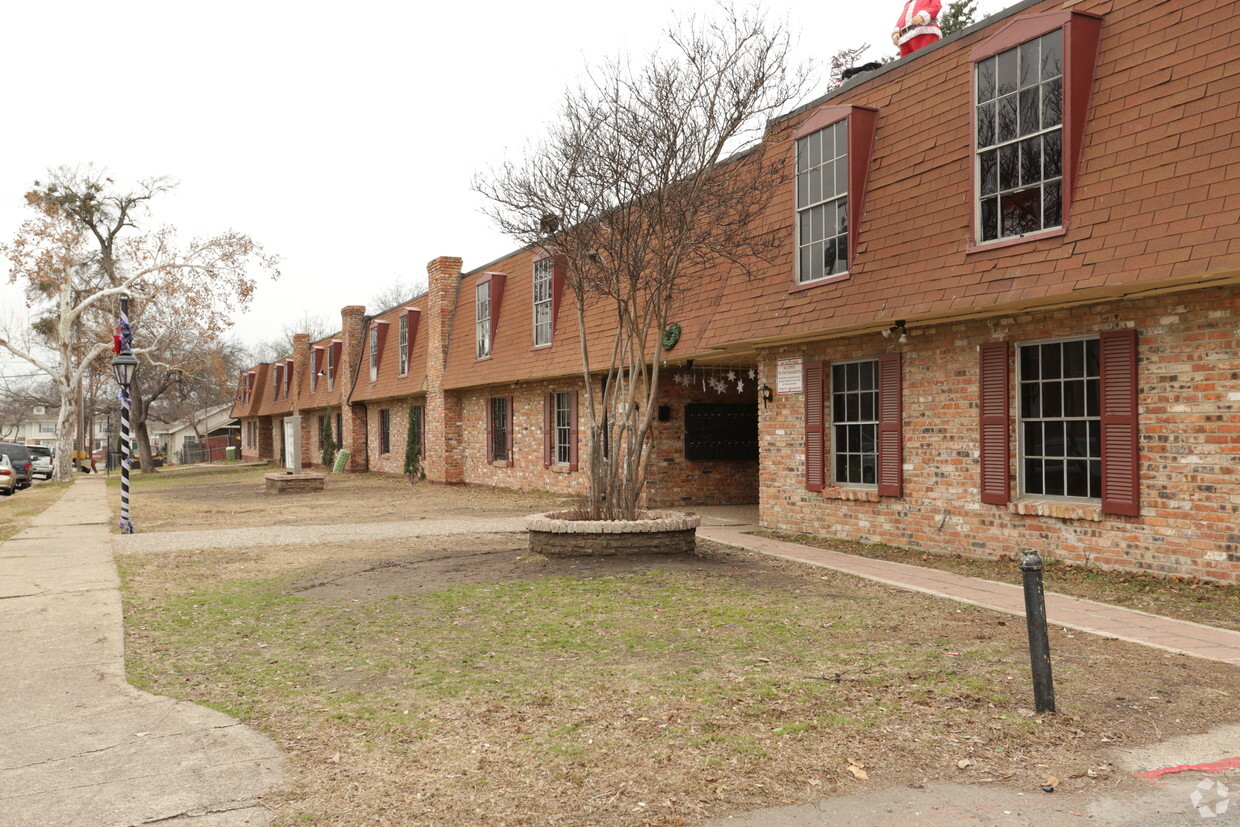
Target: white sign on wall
[789, 376]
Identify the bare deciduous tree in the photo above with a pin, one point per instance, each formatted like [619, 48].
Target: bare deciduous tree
[642, 180]
[81, 252]
[277, 348]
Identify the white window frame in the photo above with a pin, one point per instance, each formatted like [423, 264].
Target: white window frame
[802, 191]
[997, 146]
[562, 436]
[374, 352]
[404, 343]
[1021, 420]
[829, 418]
[544, 274]
[482, 315]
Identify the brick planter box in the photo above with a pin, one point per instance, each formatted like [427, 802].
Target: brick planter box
[558, 534]
[294, 483]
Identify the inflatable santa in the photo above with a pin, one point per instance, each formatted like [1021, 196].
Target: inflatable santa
[918, 26]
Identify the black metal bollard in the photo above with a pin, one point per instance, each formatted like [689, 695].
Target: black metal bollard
[1039, 642]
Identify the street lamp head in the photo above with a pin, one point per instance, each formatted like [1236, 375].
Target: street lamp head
[124, 366]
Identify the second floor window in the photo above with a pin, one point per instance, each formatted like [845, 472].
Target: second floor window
[483, 318]
[543, 270]
[331, 367]
[1020, 139]
[822, 203]
[374, 353]
[404, 344]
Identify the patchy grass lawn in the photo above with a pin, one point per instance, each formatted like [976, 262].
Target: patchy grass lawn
[18, 509]
[1196, 600]
[210, 497]
[463, 680]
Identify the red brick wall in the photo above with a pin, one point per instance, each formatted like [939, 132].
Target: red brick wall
[527, 469]
[1189, 409]
[392, 462]
[673, 480]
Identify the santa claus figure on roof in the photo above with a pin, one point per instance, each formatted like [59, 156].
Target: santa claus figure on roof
[918, 26]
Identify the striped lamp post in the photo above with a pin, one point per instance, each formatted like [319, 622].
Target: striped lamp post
[124, 366]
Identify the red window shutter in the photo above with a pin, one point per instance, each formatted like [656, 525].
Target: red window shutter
[489, 453]
[995, 409]
[890, 427]
[572, 433]
[815, 441]
[1118, 396]
[511, 435]
[548, 429]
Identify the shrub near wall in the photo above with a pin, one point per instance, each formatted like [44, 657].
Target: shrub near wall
[1189, 440]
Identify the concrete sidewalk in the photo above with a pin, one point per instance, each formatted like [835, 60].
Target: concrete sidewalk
[1131, 625]
[81, 746]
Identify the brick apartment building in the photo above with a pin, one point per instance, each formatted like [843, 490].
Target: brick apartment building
[1006, 317]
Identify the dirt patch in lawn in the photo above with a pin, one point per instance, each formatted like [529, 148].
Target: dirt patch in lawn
[463, 680]
[1199, 601]
[237, 498]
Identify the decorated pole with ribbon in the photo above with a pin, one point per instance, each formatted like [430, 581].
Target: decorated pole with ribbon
[123, 344]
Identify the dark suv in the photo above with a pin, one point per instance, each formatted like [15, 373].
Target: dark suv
[19, 455]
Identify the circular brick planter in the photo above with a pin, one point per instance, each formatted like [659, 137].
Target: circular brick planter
[558, 534]
[283, 483]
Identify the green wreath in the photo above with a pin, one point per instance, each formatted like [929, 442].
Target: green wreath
[671, 336]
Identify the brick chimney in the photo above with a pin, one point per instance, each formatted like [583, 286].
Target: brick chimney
[301, 358]
[353, 334]
[443, 411]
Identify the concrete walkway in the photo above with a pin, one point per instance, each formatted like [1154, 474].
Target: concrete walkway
[80, 746]
[295, 535]
[1131, 625]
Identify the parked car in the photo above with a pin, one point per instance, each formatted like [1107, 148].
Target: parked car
[8, 476]
[19, 456]
[41, 461]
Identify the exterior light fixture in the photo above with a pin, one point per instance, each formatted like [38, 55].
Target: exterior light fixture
[898, 327]
[766, 393]
[124, 366]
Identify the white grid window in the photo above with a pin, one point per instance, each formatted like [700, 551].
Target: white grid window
[822, 203]
[1020, 139]
[404, 344]
[1060, 420]
[331, 367]
[563, 429]
[543, 270]
[374, 353]
[854, 423]
[483, 317]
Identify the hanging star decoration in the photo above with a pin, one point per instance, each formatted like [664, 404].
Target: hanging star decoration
[731, 376]
[717, 385]
[740, 385]
[683, 379]
[753, 373]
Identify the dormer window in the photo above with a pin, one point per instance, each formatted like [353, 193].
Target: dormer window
[404, 343]
[543, 269]
[1031, 86]
[833, 149]
[482, 315]
[374, 353]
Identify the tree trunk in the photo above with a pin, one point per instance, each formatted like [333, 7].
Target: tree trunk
[62, 465]
[137, 425]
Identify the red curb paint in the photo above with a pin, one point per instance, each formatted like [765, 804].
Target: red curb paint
[1213, 766]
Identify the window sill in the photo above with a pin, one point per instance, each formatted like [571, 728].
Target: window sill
[482, 358]
[839, 492]
[560, 469]
[500, 463]
[1003, 243]
[1058, 509]
[798, 286]
[541, 347]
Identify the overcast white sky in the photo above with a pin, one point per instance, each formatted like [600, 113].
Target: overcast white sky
[341, 136]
